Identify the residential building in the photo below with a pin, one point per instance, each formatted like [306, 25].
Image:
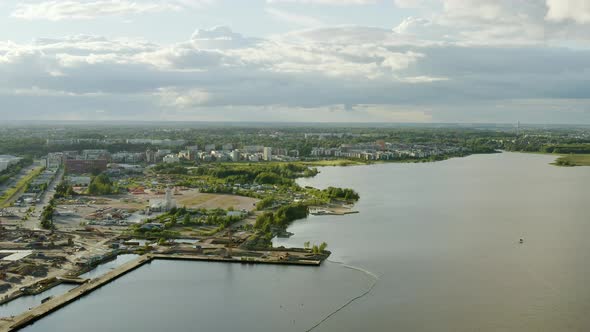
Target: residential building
[171, 158]
[96, 154]
[7, 161]
[54, 160]
[267, 153]
[150, 156]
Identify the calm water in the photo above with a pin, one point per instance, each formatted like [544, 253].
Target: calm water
[442, 238]
[108, 266]
[24, 303]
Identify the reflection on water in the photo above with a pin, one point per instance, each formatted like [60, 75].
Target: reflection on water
[108, 266]
[204, 296]
[24, 303]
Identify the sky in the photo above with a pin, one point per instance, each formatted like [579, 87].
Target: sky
[387, 61]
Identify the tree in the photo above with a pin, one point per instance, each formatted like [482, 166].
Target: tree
[64, 189]
[47, 216]
[315, 249]
[186, 220]
[101, 185]
[306, 245]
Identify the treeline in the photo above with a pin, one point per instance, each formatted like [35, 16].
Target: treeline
[13, 170]
[276, 174]
[101, 185]
[64, 189]
[38, 147]
[341, 193]
[175, 168]
[270, 222]
[567, 148]
[47, 215]
[281, 218]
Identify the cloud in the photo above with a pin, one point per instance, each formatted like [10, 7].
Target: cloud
[181, 98]
[416, 3]
[90, 9]
[564, 10]
[220, 37]
[35, 91]
[300, 76]
[326, 2]
[295, 19]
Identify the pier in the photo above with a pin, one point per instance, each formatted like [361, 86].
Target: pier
[89, 285]
[55, 303]
[242, 260]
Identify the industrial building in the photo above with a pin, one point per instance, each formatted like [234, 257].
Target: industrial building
[77, 166]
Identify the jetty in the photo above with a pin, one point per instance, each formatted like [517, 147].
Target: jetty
[86, 286]
[242, 260]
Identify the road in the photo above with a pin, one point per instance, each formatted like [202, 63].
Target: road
[33, 222]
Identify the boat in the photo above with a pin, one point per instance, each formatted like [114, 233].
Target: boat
[46, 299]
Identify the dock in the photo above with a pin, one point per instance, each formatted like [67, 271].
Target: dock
[241, 260]
[75, 281]
[29, 317]
[89, 285]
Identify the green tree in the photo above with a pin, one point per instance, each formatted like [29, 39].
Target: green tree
[100, 185]
[186, 220]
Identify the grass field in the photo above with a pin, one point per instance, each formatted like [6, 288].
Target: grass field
[573, 160]
[194, 199]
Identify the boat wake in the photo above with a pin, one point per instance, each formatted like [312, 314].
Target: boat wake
[366, 292]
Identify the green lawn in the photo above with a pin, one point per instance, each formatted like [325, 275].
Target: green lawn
[573, 160]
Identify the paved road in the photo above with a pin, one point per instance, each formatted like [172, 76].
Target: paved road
[33, 222]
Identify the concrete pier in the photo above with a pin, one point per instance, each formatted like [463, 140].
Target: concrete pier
[76, 281]
[245, 260]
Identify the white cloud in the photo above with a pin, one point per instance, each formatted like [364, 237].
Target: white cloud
[423, 79]
[415, 3]
[90, 9]
[326, 2]
[564, 10]
[35, 91]
[182, 98]
[220, 37]
[479, 22]
[330, 70]
[296, 19]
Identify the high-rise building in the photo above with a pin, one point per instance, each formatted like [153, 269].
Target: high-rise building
[150, 156]
[267, 154]
[235, 155]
